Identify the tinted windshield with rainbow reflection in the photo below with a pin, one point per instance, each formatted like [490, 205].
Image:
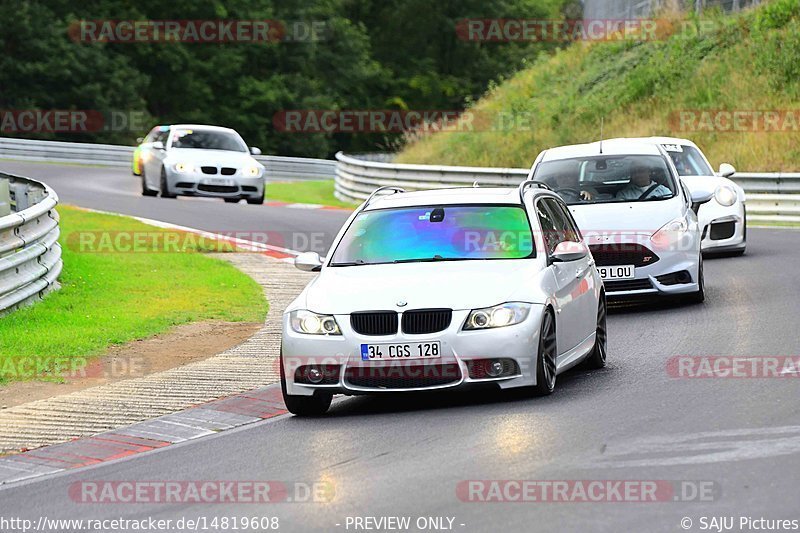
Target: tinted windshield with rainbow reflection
[435, 233]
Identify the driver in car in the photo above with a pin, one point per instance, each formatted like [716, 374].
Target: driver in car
[642, 186]
[568, 187]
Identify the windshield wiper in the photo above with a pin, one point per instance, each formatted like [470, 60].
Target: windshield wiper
[430, 259]
[357, 262]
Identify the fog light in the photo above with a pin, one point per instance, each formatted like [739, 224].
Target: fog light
[480, 319]
[314, 375]
[495, 368]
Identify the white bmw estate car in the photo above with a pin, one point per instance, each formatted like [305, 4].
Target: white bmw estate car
[194, 160]
[442, 289]
[638, 217]
[723, 220]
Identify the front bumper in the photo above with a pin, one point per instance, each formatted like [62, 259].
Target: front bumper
[723, 227]
[198, 184]
[459, 350]
[676, 271]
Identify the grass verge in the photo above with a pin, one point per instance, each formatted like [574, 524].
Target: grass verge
[113, 297]
[305, 192]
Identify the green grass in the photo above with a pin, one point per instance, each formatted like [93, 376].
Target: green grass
[305, 192]
[774, 224]
[748, 61]
[110, 298]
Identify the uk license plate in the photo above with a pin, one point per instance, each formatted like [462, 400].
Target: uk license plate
[610, 273]
[401, 351]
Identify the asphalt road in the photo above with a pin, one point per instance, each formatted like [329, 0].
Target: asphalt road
[117, 190]
[405, 455]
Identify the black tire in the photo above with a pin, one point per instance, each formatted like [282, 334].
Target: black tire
[546, 357]
[231, 200]
[256, 201]
[699, 296]
[164, 187]
[316, 405]
[597, 358]
[146, 191]
[744, 239]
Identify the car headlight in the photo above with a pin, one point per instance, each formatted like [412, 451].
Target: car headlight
[182, 167]
[251, 172]
[310, 323]
[725, 195]
[498, 316]
[670, 233]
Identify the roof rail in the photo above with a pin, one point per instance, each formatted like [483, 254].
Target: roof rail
[379, 189]
[525, 184]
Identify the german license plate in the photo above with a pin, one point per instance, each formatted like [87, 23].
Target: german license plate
[610, 273]
[219, 181]
[402, 351]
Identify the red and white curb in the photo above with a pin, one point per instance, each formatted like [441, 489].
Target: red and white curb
[284, 254]
[193, 423]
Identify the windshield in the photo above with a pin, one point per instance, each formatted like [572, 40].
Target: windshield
[604, 179]
[443, 233]
[688, 160]
[208, 140]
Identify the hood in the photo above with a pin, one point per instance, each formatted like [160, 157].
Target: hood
[210, 157]
[455, 285]
[629, 217]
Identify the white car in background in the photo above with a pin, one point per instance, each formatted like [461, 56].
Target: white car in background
[196, 160]
[443, 289]
[723, 220]
[637, 215]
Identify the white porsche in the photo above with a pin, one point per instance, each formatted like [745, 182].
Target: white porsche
[443, 289]
[639, 217]
[723, 220]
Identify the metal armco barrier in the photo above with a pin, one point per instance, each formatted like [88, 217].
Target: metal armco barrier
[279, 168]
[30, 256]
[357, 178]
[770, 196]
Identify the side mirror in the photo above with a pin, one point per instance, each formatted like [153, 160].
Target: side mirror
[701, 196]
[158, 145]
[726, 170]
[255, 150]
[308, 262]
[569, 251]
[139, 140]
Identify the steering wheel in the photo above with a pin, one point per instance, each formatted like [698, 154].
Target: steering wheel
[575, 192]
[646, 193]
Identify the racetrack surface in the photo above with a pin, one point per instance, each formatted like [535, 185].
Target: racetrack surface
[118, 191]
[405, 455]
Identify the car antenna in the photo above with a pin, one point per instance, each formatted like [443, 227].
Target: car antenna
[601, 135]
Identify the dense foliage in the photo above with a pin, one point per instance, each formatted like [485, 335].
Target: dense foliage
[373, 54]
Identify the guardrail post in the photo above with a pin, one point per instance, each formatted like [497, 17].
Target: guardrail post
[5, 199]
[19, 196]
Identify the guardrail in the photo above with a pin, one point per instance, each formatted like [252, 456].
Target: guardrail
[770, 196]
[279, 168]
[30, 256]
